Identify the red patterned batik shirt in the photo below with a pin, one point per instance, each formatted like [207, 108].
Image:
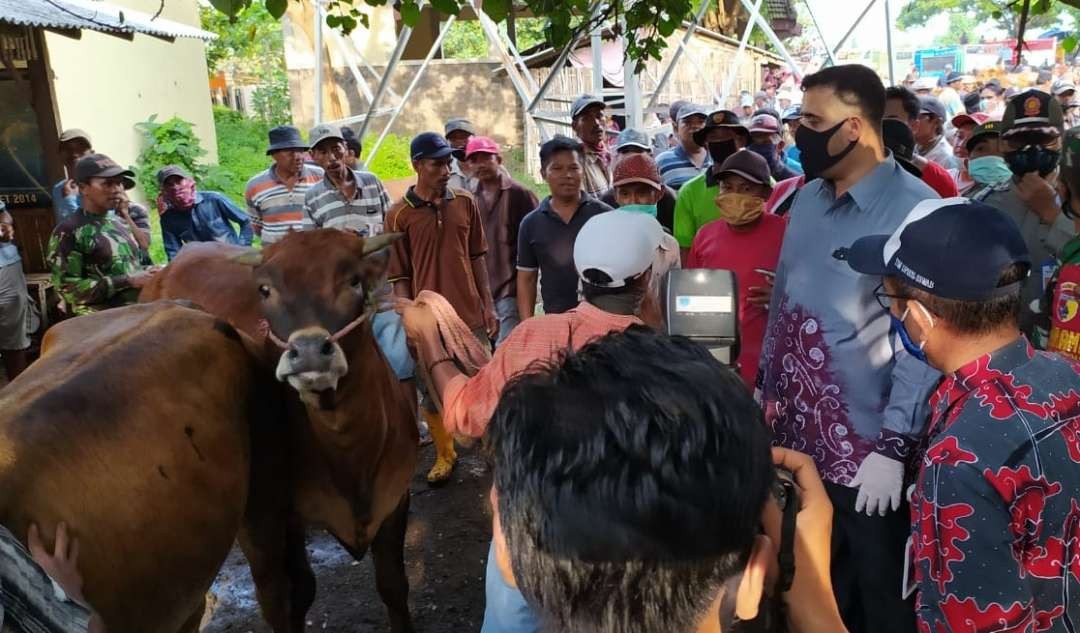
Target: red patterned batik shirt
[996, 509]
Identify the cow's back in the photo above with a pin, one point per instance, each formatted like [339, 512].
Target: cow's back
[210, 275]
[133, 427]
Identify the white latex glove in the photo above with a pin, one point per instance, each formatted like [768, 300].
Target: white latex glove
[880, 480]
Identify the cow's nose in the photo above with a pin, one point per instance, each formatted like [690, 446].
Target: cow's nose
[310, 352]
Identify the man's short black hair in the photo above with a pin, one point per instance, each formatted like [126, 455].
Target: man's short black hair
[975, 317]
[854, 84]
[631, 479]
[906, 97]
[560, 144]
[351, 142]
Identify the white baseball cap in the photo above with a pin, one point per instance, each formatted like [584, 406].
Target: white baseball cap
[620, 244]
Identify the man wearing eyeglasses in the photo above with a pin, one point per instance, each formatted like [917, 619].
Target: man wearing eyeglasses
[346, 198]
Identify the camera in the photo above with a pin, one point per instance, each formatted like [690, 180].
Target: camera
[703, 305]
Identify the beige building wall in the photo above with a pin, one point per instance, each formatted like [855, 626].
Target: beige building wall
[106, 84]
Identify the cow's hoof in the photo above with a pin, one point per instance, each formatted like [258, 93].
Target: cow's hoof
[440, 472]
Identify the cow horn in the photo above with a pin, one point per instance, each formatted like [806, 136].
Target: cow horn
[379, 242]
[247, 257]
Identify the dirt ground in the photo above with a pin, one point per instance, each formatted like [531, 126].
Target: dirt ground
[445, 554]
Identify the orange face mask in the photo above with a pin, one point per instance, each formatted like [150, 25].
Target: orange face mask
[738, 209]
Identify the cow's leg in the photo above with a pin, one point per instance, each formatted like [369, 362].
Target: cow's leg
[388, 553]
[284, 582]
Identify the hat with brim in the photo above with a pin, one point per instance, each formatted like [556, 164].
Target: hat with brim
[620, 260]
[974, 118]
[324, 132]
[285, 137]
[169, 171]
[430, 145]
[458, 124]
[101, 166]
[748, 165]
[720, 119]
[583, 103]
[987, 129]
[73, 134]
[1032, 112]
[951, 248]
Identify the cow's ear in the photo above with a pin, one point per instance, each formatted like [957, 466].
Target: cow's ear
[248, 257]
[379, 242]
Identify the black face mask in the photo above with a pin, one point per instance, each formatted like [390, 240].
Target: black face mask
[720, 150]
[814, 150]
[1032, 158]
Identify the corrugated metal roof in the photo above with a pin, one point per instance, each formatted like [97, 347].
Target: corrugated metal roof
[94, 15]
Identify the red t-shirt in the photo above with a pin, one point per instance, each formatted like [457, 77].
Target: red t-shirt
[938, 179]
[718, 246]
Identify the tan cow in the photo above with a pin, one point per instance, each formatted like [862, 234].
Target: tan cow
[345, 455]
[133, 427]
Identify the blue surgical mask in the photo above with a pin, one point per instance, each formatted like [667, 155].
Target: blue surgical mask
[989, 170]
[916, 350]
[647, 209]
[985, 105]
[766, 151]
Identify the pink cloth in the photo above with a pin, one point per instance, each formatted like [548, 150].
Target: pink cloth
[720, 247]
[180, 195]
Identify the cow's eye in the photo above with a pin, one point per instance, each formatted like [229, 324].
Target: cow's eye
[264, 290]
[355, 281]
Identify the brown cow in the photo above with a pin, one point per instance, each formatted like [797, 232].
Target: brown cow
[133, 427]
[344, 459]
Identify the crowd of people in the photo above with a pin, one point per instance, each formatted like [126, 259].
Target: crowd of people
[907, 266]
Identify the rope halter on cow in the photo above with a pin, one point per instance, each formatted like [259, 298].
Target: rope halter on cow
[267, 332]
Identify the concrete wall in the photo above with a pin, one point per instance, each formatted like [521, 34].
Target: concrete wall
[447, 89]
[106, 84]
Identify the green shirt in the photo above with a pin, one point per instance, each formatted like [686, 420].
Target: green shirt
[92, 258]
[695, 207]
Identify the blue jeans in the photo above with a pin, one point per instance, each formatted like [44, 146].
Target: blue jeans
[505, 610]
[390, 336]
[507, 313]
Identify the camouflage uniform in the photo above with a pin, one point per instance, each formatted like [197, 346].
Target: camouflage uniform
[92, 258]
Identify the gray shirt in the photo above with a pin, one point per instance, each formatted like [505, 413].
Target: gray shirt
[836, 385]
[326, 208]
[1044, 241]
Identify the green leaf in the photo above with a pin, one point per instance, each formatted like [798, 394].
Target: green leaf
[497, 10]
[228, 7]
[410, 12]
[277, 7]
[333, 21]
[1069, 43]
[448, 7]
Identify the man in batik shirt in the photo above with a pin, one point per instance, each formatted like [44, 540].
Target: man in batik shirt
[996, 506]
[94, 256]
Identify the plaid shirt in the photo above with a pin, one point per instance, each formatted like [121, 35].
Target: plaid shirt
[996, 508]
[326, 208]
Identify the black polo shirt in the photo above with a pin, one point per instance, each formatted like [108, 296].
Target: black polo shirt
[546, 243]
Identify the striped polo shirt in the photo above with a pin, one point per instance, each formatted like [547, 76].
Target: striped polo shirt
[676, 167]
[274, 208]
[325, 207]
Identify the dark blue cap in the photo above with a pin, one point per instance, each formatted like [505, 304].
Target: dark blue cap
[951, 248]
[285, 137]
[429, 145]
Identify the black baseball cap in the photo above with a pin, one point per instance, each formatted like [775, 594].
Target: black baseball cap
[717, 119]
[429, 145]
[987, 128]
[169, 171]
[101, 166]
[951, 248]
